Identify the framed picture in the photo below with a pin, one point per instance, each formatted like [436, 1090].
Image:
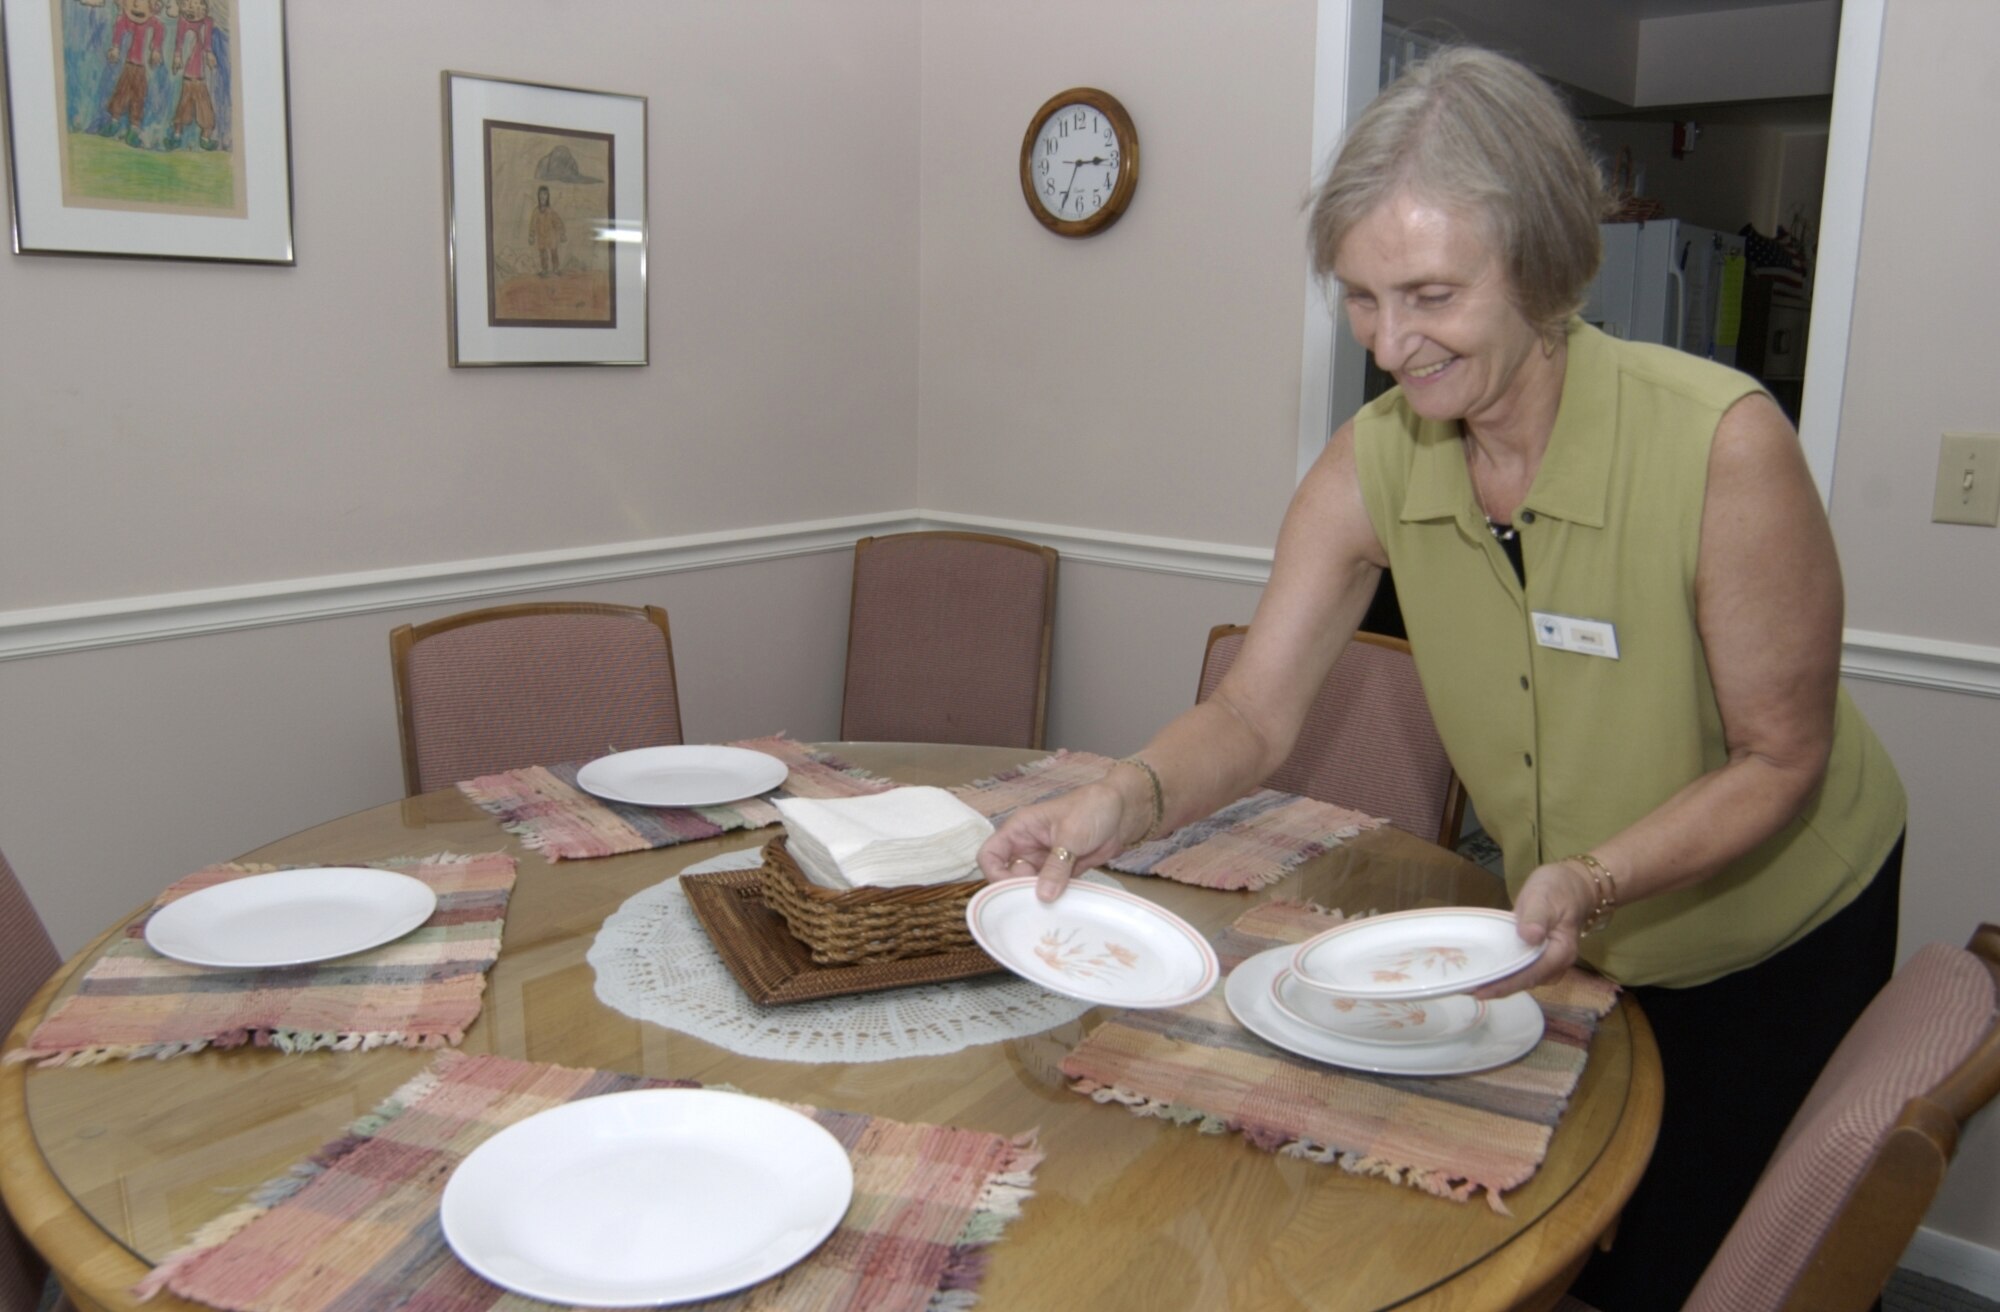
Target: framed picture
[545, 223]
[151, 128]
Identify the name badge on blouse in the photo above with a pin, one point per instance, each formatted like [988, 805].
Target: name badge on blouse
[1568, 633]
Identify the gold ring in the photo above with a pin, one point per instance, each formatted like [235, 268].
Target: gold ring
[1062, 854]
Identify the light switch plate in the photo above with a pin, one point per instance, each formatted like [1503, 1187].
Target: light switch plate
[1968, 483]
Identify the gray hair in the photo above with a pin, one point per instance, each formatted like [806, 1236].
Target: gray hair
[1483, 134]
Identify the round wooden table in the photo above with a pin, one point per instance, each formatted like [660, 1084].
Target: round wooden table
[109, 1168]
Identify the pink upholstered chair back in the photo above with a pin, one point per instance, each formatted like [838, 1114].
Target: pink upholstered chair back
[537, 684]
[948, 640]
[1368, 741]
[27, 959]
[1863, 1157]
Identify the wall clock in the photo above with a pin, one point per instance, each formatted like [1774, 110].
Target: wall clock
[1079, 162]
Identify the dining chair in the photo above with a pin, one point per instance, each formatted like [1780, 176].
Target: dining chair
[1864, 1155]
[531, 684]
[27, 958]
[948, 638]
[1368, 741]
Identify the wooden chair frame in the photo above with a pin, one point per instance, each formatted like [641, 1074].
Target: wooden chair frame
[1050, 556]
[404, 638]
[1858, 1253]
[1454, 796]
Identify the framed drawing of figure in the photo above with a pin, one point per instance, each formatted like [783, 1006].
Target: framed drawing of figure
[545, 217]
[155, 128]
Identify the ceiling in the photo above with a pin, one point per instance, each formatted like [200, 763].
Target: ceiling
[1677, 8]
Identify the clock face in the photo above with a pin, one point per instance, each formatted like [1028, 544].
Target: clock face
[1077, 159]
[1079, 162]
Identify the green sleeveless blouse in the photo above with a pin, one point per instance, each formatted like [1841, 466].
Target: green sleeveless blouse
[1560, 748]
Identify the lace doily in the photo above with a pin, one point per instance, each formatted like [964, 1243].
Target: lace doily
[654, 963]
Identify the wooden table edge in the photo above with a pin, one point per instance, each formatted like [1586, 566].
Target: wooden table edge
[1505, 1281]
[98, 1272]
[95, 1270]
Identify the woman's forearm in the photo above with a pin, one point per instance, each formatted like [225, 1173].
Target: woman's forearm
[1205, 758]
[1709, 824]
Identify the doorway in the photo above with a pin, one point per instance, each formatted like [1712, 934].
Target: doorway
[1348, 69]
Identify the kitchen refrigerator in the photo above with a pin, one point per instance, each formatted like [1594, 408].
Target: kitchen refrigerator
[1668, 281]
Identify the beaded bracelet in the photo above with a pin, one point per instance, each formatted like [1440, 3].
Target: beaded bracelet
[1607, 891]
[1159, 798]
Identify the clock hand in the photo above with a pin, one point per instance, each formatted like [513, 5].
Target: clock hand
[1073, 167]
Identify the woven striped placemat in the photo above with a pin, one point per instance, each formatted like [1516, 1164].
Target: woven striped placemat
[1251, 843]
[356, 1226]
[1449, 1135]
[550, 813]
[421, 991]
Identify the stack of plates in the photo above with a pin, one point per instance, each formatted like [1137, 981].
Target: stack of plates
[1390, 994]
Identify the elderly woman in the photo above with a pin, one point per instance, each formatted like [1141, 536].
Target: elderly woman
[1625, 607]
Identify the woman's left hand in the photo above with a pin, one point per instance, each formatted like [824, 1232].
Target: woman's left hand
[1554, 905]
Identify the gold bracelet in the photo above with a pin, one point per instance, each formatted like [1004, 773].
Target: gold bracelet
[1607, 891]
[1159, 798]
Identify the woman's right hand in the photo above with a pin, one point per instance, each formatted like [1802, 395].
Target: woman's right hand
[1053, 840]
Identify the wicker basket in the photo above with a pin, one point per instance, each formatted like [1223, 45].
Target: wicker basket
[846, 927]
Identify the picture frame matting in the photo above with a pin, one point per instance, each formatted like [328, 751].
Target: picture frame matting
[545, 224]
[155, 131]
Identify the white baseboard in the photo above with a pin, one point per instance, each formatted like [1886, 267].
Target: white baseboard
[1972, 1267]
[52, 630]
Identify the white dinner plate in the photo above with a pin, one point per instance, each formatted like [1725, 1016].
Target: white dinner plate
[290, 917]
[682, 776]
[1095, 943]
[1512, 1028]
[649, 1196]
[1371, 1020]
[1414, 954]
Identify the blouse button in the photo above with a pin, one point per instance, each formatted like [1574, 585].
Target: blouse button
[1524, 683]
[1527, 760]
[1527, 517]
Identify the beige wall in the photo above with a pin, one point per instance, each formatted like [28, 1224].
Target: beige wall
[1145, 379]
[1738, 52]
[174, 425]
[1920, 363]
[1582, 42]
[1129, 645]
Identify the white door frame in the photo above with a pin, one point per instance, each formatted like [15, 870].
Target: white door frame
[1848, 137]
[1347, 72]
[1348, 56]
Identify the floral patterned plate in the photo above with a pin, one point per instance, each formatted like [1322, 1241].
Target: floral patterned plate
[1373, 1020]
[1512, 1028]
[1099, 944]
[1414, 954]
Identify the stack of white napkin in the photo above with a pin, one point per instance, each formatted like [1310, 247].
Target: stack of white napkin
[903, 837]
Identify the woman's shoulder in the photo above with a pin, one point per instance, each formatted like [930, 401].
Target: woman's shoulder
[1667, 369]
